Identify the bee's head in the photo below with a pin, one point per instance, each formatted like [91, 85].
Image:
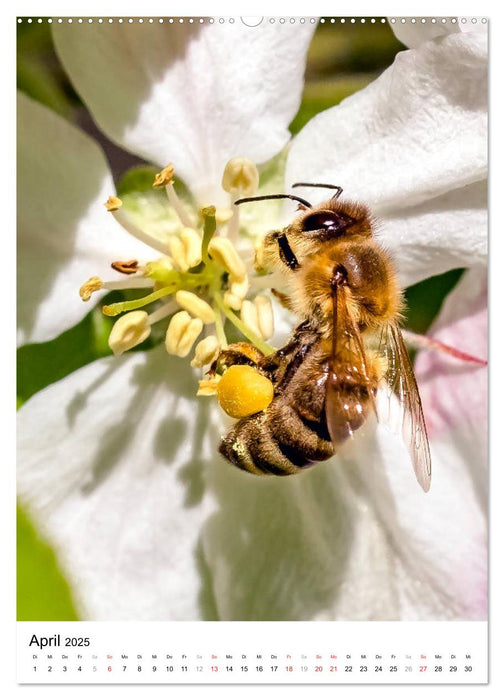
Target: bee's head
[313, 227]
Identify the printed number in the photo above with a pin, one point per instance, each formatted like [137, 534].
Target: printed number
[318, 669]
[108, 669]
[348, 668]
[170, 668]
[437, 669]
[467, 668]
[453, 668]
[333, 668]
[378, 668]
[259, 668]
[154, 668]
[423, 668]
[76, 641]
[139, 668]
[363, 669]
[49, 668]
[274, 668]
[244, 669]
[393, 669]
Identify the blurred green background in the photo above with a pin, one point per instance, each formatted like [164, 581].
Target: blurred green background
[342, 59]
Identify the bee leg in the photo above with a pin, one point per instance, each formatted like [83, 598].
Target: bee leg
[237, 354]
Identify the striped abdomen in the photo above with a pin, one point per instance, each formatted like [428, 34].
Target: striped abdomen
[291, 434]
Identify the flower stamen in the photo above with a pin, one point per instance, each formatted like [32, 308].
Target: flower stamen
[224, 253]
[244, 329]
[182, 334]
[122, 218]
[208, 387]
[191, 241]
[94, 284]
[113, 203]
[206, 351]
[163, 311]
[237, 292]
[195, 305]
[240, 177]
[126, 268]
[128, 331]
[203, 271]
[165, 179]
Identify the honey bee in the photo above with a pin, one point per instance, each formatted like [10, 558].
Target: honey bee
[342, 284]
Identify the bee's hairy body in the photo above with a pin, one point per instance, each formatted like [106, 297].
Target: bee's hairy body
[291, 434]
[331, 272]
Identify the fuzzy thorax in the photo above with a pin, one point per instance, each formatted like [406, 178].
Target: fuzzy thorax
[371, 291]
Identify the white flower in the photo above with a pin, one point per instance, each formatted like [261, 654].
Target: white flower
[118, 461]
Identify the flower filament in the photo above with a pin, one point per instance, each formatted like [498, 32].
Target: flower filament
[200, 279]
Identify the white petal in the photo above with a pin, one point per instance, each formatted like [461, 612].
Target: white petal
[356, 538]
[65, 234]
[190, 94]
[438, 235]
[425, 29]
[112, 462]
[414, 134]
[455, 393]
[352, 539]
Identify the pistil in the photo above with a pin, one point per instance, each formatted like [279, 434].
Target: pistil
[202, 272]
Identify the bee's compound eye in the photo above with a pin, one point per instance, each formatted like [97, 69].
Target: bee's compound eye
[325, 220]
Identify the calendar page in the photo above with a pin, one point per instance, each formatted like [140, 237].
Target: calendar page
[252, 360]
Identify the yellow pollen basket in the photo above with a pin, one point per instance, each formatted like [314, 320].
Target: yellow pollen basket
[243, 391]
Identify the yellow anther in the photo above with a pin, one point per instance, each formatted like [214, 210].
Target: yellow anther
[243, 391]
[94, 284]
[195, 305]
[223, 215]
[249, 316]
[224, 253]
[191, 240]
[208, 387]
[182, 333]
[239, 287]
[113, 203]
[264, 316]
[233, 301]
[178, 252]
[165, 177]
[237, 292]
[206, 351]
[240, 177]
[130, 330]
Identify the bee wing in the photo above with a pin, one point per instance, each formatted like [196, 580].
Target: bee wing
[400, 382]
[348, 387]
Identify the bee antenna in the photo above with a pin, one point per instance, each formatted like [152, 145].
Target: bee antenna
[274, 196]
[338, 189]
